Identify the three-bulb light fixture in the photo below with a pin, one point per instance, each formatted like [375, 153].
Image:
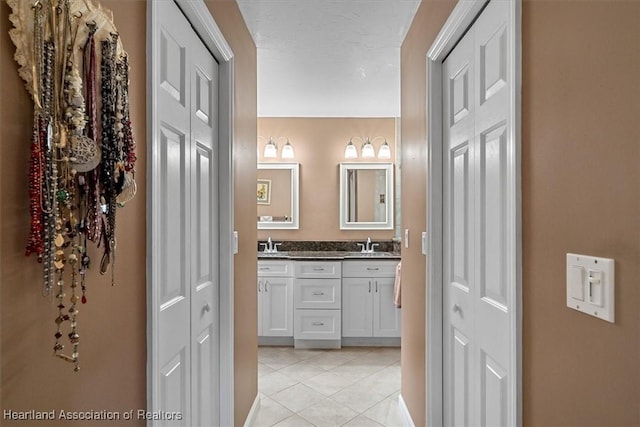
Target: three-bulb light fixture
[368, 150]
[271, 149]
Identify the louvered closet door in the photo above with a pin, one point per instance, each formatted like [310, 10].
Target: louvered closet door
[478, 233]
[187, 379]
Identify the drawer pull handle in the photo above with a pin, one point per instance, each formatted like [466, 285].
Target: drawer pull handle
[318, 293]
[318, 269]
[264, 268]
[372, 269]
[318, 323]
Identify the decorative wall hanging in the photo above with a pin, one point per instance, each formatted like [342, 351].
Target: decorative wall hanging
[82, 148]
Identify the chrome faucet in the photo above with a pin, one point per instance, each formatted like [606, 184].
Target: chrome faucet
[270, 247]
[368, 247]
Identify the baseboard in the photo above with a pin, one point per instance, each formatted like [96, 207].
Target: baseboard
[404, 413]
[253, 412]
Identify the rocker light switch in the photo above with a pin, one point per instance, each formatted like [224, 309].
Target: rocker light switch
[590, 285]
[575, 282]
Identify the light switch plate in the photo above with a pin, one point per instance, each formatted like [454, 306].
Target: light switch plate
[406, 238]
[591, 285]
[235, 242]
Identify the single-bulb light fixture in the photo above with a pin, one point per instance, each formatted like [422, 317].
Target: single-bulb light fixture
[368, 151]
[350, 152]
[270, 150]
[287, 151]
[385, 151]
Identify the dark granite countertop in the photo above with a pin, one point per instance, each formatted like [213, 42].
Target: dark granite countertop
[327, 255]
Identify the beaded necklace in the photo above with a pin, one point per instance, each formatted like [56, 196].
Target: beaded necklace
[81, 168]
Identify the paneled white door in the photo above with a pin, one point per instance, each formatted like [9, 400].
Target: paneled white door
[186, 260]
[479, 158]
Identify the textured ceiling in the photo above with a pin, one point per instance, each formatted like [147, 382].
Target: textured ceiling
[328, 58]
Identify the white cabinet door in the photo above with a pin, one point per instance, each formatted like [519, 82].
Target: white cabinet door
[386, 316]
[277, 307]
[357, 307]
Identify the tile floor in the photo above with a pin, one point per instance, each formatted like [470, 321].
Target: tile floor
[352, 387]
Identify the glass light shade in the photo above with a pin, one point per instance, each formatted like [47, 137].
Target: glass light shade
[368, 151]
[287, 151]
[350, 152]
[270, 150]
[385, 151]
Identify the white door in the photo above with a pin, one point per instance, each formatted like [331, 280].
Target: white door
[357, 307]
[185, 262]
[277, 307]
[478, 161]
[386, 316]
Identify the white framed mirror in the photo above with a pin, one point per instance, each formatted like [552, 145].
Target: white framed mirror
[366, 196]
[277, 196]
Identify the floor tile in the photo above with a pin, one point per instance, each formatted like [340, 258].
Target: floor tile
[358, 397]
[355, 370]
[362, 421]
[270, 413]
[264, 370]
[328, 383]
[302, 370]
[353, 386]
[383, 382]
[328, 413]
[386, 412]
[298, 397]
[294, 421]
[274, 382]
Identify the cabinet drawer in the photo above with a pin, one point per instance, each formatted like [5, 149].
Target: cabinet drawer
[317, 325]
[318, 269]
[275, 268]
[317, 293]
[369, 268]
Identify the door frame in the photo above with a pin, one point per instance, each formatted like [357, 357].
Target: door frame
[206, 28]
[460, 19]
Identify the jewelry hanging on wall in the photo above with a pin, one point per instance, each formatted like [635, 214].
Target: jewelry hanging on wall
[81, 167]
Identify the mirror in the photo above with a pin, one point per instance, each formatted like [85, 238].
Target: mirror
[366, 196]
[277, 196]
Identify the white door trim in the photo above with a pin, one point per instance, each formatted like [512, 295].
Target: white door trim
[205, 27]
[461, 18]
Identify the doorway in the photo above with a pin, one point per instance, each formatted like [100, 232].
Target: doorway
[190, 231]
[474, 267]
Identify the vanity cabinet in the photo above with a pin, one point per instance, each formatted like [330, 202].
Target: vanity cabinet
[275, 298]
[317, 300]
[368, 309]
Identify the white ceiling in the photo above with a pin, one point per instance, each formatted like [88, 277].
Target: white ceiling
[328, 58]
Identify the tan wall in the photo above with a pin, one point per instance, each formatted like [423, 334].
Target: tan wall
[426, 24]
[113, 323]
[580, 156]
[319, 148]
[581, 194]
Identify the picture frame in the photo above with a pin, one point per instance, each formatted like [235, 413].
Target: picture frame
[264, 191]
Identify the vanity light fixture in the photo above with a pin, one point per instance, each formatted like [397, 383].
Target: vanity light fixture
[287, 151]
[385, 151]
[368, 151]
[271, 149]
[351, 152]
